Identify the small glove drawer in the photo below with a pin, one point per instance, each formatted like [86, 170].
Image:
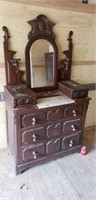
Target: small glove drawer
[74, 111]
[70, 141]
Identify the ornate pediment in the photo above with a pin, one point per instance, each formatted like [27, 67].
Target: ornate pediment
[40, 25]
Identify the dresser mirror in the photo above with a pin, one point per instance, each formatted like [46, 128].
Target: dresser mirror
[41, 55]
[42, 71]
[41, 64]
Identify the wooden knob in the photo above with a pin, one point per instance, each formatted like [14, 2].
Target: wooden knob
[73, 127]
[74, 113]
[34, 155]
[71, 143]
[33, 121]
[34, 137]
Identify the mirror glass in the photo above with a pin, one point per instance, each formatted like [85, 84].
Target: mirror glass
[41, 64]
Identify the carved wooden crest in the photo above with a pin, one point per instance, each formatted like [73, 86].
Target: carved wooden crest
[40, 25]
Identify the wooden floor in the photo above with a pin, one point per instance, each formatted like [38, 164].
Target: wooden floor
[69, 178]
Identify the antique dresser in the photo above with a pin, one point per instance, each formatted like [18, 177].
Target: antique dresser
[46, 112]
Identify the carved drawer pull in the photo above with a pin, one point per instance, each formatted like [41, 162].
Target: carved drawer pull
[34, 137]
[74, 113]
[71, 143]
[73, 127]
[34, 154]
[33, 121]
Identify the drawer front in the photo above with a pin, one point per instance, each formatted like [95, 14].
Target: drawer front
[33, 135]
[55, 114]
[72, 126]
[39, 134]
[70, 141]
[53, 146]
[54, 129]
[33, 153]
[33, 119]
[74, 111]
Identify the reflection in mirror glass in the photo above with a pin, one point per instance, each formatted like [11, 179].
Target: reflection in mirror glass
[41, 64]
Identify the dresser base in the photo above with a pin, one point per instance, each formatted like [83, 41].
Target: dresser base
[23, 167]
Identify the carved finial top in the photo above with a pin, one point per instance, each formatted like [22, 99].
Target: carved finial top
[70, 39]
[70, 35]
[40, 25]
[6, 32]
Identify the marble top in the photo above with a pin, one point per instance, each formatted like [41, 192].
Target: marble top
[54, 101]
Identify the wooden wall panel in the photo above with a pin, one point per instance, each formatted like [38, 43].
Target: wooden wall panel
[61, 5]
[84, 74]
[15, 16]
[91, 114]
[94, 37]
[3, 137]
[2, 79]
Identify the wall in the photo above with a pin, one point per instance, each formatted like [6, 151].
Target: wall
[15, 16]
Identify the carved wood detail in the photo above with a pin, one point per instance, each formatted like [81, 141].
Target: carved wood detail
[40, 25]
[65, 71]
[13, 75]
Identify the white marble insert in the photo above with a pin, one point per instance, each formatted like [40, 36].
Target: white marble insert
[53, 101]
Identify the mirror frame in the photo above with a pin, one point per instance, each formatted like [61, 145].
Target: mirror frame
[41, 29]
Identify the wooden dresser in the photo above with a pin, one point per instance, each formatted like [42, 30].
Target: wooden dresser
[43, 123]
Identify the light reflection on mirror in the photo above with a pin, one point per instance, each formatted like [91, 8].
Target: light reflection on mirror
[41, 64]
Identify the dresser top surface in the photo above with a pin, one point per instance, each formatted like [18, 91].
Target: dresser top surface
[53, 101]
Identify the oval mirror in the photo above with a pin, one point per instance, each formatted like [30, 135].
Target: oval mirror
[41, 64]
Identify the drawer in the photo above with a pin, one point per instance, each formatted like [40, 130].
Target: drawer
[72, 126]
[54, 129]
[33, 135]
[70, 141]
[55, 114]
[53, 146]
[74, 111]
[33, 153]
[33, 119]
